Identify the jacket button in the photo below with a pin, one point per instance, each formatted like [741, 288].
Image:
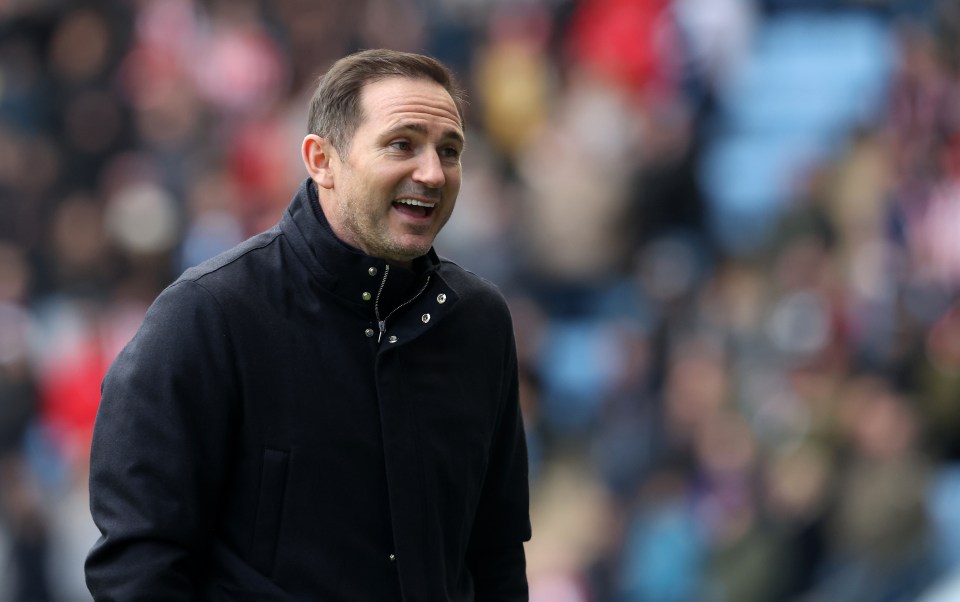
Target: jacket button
[368, 332]
[372, 271]
[441, 298]
[392, 557]
[366, 296]
[425, 318]
[392, 339]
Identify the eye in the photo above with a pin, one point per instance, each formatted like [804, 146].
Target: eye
[450, 152]
[401, 145]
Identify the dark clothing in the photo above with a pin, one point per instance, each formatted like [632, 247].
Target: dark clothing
[256, 441]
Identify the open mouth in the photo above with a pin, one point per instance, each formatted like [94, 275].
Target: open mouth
[414, 208]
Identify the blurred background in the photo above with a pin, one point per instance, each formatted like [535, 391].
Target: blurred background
[729, 231]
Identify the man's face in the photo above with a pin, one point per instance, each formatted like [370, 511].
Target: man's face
[396, 185]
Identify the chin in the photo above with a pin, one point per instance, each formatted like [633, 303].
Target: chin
[412, 254]
[412, 250]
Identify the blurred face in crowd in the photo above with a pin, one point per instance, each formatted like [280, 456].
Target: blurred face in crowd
[395, 186]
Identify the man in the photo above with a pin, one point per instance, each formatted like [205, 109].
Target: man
[328, 411]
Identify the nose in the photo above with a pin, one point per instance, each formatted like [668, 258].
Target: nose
[429, 171]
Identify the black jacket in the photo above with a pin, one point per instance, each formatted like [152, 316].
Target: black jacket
[256, 441]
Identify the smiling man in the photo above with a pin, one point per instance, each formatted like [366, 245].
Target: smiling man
[328, 411]
[390, 190]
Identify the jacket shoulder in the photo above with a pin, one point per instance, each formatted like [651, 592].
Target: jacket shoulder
[228, 262]
[472, 288]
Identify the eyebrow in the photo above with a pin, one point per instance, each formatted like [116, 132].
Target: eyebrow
[422, 129]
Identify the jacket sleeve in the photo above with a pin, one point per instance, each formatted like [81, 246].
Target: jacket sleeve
[495, 554]
[159, 453]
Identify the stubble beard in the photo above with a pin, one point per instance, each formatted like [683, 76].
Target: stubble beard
[373, 236]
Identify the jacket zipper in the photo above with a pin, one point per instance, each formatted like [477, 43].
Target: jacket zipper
[382, 324]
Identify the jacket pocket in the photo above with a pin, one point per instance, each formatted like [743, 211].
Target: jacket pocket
[266, 527]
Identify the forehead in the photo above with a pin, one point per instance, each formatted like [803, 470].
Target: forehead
[392, 101]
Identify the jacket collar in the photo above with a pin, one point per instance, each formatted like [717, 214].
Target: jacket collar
[340, 268]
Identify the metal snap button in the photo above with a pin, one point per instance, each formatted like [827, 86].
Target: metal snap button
[372, 271]
[425, 318]
[441, 298]
[368, 332]
[366, 296]
[392, 339]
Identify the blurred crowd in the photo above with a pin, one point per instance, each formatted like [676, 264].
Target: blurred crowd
[729, 232]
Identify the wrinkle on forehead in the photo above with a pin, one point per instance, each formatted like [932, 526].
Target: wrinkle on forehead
[396, 100]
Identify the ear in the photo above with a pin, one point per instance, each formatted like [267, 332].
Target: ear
[318, 157]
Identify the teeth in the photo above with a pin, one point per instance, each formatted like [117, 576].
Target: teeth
[415, 203]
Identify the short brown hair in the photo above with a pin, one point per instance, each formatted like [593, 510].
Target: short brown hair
[335, 111]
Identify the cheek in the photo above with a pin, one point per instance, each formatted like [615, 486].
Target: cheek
[453, 182]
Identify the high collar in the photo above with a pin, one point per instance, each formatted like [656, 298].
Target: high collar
[343, 270]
